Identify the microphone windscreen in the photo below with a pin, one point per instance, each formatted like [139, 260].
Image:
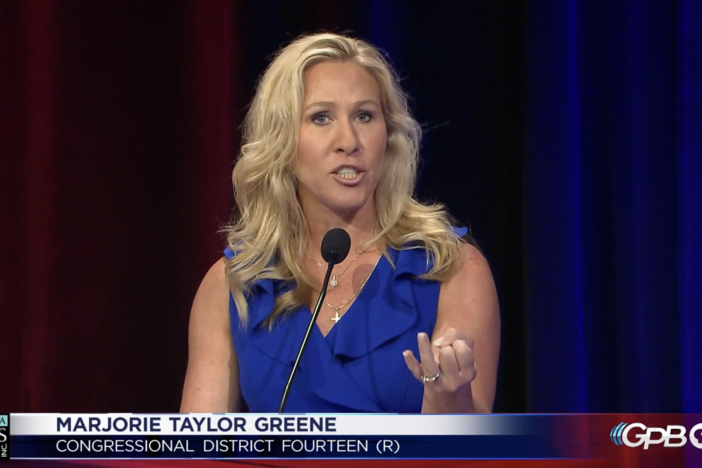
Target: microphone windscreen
[335, 246]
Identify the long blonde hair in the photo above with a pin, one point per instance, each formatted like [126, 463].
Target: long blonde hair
[268, 234]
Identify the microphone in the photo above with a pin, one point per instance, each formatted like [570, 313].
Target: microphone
[335, 247]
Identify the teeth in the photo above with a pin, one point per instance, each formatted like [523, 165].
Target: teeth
[348, 173]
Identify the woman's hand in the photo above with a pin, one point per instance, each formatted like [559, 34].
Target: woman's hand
[447, 369]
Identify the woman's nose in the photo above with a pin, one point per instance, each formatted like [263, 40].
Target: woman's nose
[347, 138]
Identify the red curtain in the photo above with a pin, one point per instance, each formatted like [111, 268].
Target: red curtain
[119, 125]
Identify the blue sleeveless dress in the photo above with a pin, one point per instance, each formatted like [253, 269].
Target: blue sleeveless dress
[358, 366]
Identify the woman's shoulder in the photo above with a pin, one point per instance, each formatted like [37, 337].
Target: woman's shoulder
[442, 251]
[472, 281]
[213, 293]
[216, 275]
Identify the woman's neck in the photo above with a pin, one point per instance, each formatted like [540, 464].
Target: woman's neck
[359, 225]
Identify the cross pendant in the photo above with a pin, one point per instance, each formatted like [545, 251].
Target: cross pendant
[336, 317]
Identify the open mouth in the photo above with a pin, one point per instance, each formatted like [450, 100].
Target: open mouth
[348, 176]
[348, 173]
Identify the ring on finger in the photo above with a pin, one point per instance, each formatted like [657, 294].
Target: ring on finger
[430, 378]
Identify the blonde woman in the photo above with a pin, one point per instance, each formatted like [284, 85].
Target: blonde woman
[410, 322]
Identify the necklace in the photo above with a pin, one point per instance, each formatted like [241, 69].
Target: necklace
[336, 316]
[333, 282]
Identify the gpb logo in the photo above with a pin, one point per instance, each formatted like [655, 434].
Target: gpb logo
[671, 436]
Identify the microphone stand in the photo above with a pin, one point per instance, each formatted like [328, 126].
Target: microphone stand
[315, 313]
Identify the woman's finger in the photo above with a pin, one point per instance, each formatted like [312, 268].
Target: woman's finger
[412, 364]
[428, 364]
[446, 337]
[464, 355]
[447, 362]
[449, 336]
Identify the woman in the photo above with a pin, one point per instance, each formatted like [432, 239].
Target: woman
[329, 142]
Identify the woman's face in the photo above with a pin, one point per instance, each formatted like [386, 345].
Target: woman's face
[342, 139]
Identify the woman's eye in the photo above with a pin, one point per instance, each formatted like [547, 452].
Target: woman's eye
[320, 119]
[365, 116]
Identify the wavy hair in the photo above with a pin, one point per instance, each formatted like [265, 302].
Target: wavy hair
[268, 232]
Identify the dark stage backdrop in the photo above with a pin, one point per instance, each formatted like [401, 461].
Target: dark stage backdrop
[565, 134]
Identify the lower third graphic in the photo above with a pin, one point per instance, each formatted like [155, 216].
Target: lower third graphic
[4, 436]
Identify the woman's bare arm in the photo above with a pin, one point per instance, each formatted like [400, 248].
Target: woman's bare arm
[212, 379]
[466, 335]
